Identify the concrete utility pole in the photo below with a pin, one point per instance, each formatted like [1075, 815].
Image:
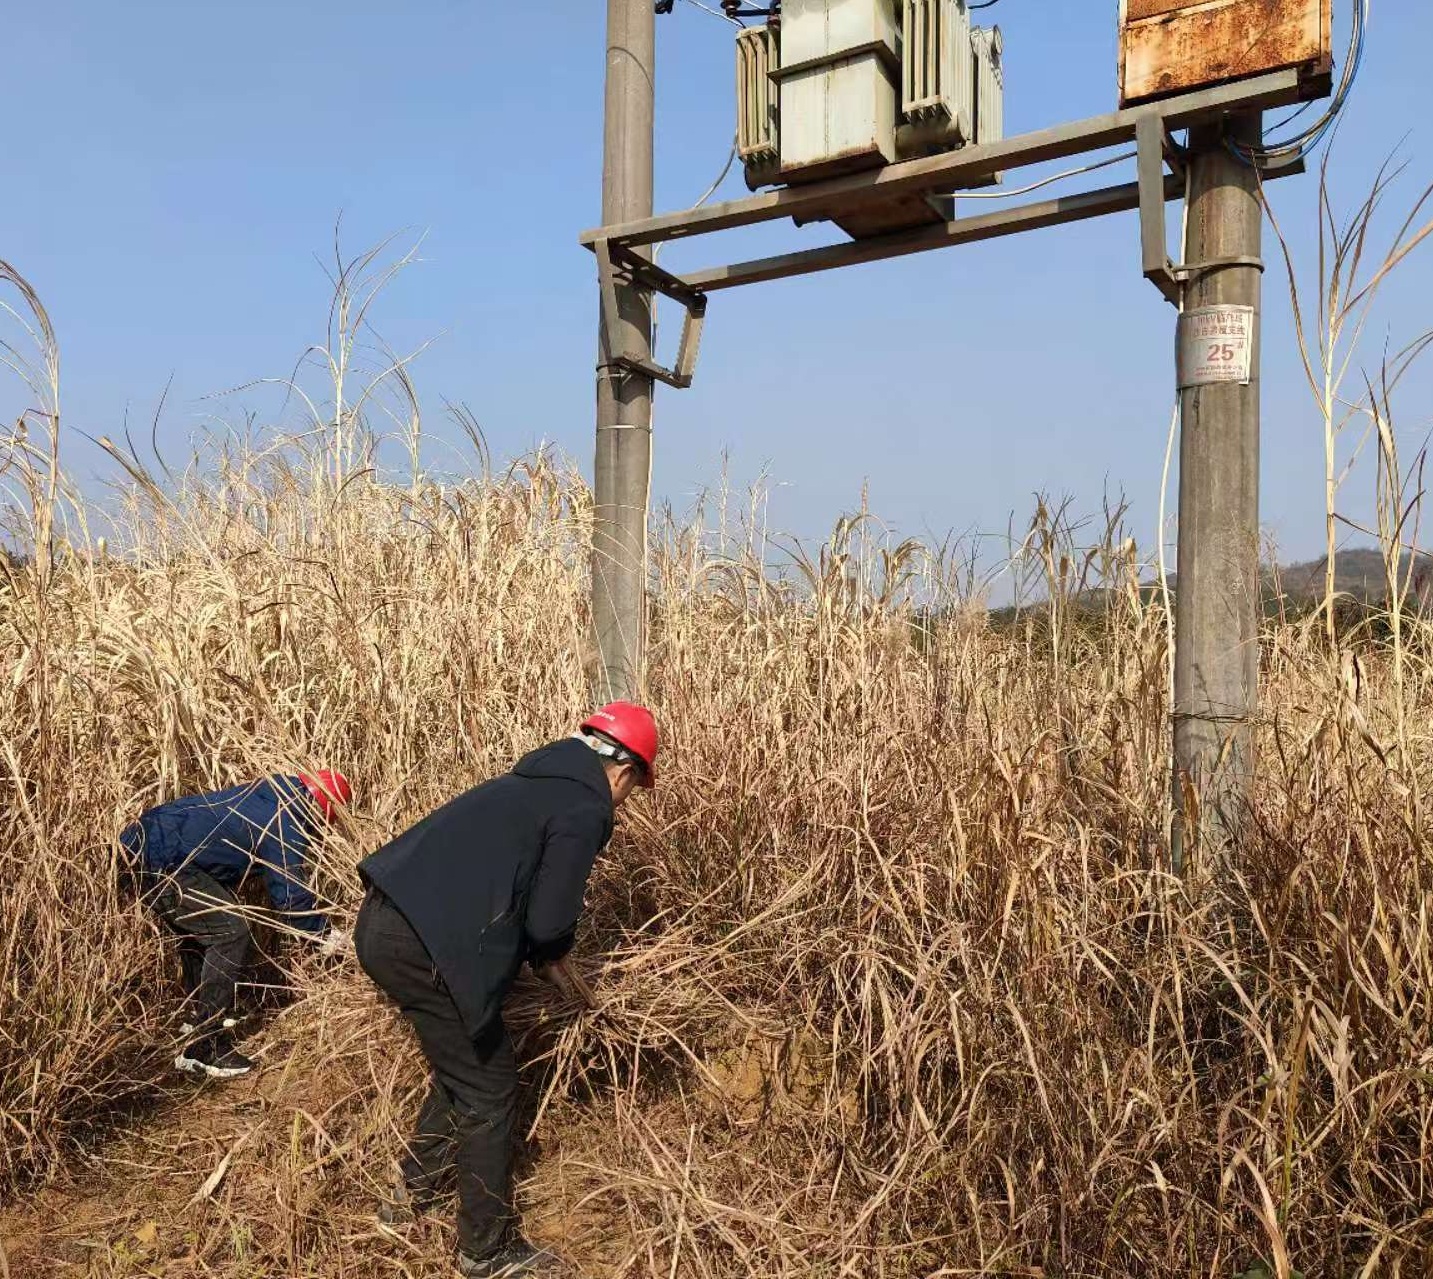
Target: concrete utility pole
[624, 399]
[1218, 592]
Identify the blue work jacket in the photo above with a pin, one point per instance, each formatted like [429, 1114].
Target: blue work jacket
[266, 825]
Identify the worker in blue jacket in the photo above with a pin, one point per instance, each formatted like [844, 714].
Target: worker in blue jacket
[193, 853]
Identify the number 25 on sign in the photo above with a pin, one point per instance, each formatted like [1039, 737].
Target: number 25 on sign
[1216, 344]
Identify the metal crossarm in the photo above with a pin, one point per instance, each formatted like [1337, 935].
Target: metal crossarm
[1149, 126]
[945, 172]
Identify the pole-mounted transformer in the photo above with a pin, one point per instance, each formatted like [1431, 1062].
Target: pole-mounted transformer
[845, 85]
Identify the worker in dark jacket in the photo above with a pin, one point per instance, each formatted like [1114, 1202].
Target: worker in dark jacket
[454, 907]
[193, 853]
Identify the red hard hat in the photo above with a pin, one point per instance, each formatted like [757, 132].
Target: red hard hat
[327, 787]
[632, 727]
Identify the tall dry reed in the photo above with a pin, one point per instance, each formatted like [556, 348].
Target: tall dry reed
[895, 979]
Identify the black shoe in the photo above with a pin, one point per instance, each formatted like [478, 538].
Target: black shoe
[397, 1209]
[402, 1206]
[516, 1257]
[214, 1056]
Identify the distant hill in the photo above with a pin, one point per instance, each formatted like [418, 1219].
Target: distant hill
[1290, 588]
[1358, 573]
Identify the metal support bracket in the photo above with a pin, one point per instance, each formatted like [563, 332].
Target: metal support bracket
[612, 259]
[1188, 270]
[1156, 148]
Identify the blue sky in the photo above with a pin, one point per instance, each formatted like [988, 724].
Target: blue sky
[175, 170]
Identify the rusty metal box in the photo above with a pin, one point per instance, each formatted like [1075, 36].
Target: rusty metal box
[1175, 46]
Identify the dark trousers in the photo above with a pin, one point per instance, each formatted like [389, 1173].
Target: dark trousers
[214, 938]
[466, 1124]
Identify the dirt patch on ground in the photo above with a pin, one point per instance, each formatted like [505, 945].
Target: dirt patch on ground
[760, 1076]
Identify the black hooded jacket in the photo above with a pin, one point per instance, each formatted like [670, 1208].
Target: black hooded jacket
[497, 875]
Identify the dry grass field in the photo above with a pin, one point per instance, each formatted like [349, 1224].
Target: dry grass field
[896, 982]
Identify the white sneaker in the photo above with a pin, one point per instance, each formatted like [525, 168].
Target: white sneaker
[215, 1057]
[187, 1028]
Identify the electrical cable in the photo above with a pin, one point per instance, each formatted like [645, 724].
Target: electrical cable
[652, 345]
[1292, 116]
[1174, 428]
[704, 197]
[717, 13]
[1301, 143]
[711, 190]
[1044, 182]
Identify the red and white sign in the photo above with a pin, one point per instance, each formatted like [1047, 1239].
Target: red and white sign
[1216, 344]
